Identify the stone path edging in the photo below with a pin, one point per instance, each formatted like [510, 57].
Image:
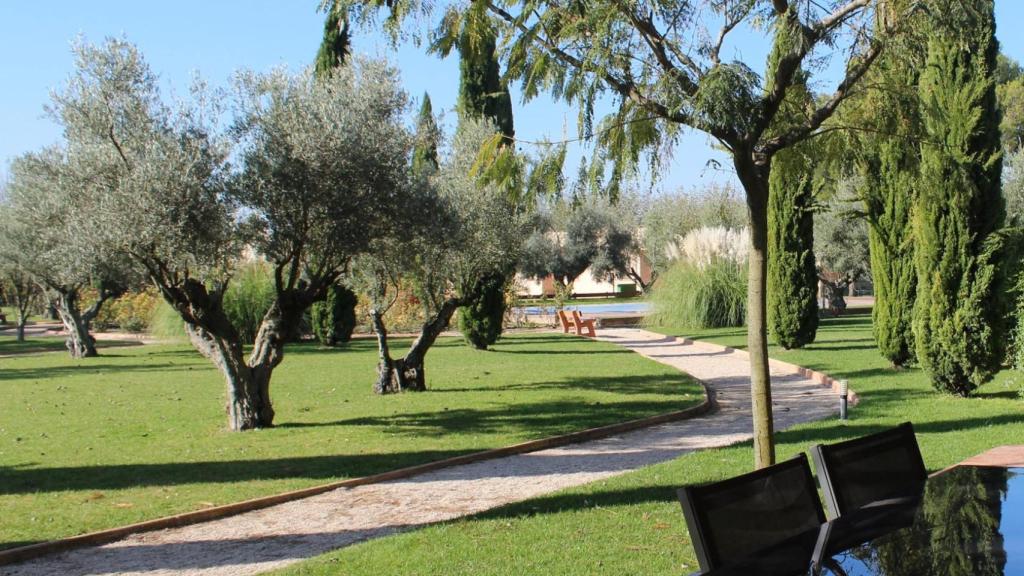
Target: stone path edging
[269, 538]
[819, 377]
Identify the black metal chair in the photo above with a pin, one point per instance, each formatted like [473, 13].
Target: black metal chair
[734, 518]
[858, 472]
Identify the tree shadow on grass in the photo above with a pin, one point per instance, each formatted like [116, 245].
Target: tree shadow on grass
[18, 544]
[616, 454]
[536, 420]
[1005, 394]
[532, 339]
[667, 384]
[23, 480]
[53, 372]
[175, 353]
[12, 349]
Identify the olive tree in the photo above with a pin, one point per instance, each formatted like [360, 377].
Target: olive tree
[667, 219]
[841, 246]
[322, 161]
[565, 241]
[21, 291]
[620, 243]
[464, 232]
[43, 237]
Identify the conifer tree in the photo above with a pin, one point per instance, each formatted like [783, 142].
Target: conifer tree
[481, 91]
[889, 172]
[482, 94]
[334, 318]
[424, 155]
[890, 180]
[335, 47]
[959, 313]
[792, 277]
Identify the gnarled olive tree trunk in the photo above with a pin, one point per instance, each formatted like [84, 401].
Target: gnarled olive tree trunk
[212, 334]
[246, 408]
[408, 373]
[385, 364]
[80, 343]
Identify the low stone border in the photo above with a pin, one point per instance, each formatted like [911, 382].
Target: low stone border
[23, 553]
[819, 377]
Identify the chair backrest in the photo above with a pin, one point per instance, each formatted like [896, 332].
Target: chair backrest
[741, 516]
[564, 321]
[858, 472]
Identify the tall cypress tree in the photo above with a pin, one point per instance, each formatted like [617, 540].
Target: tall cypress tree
[481, 91]
[424, 155]
[483, 94]
[890, 179]
[334, 318]
[792, 276]
[960, 309]
[335, 47]
[889, 170]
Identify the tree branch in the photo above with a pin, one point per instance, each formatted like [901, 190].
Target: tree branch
[730, 24]
[790, 63]
[826, 24]
[117, 146]
[656, 42]
[853, 74]
[626, 88]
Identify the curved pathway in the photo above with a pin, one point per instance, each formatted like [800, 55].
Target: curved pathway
[273, 537]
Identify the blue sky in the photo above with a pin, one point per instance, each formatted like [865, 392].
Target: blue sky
[217, 37]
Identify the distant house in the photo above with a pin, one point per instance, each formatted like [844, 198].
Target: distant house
[587, 285]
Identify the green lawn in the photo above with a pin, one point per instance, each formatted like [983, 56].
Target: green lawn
[140, 432]
[632, 524]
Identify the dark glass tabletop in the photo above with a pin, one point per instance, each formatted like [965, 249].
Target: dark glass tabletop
[969, 521]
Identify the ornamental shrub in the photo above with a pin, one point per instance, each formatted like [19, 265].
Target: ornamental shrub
[334, 319]
[692, 296]
[249, 295]
[481, 320]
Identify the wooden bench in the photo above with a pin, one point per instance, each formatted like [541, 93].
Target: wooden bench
[577, 323]
[583, 325]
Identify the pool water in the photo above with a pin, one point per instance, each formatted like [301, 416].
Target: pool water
[624, 307]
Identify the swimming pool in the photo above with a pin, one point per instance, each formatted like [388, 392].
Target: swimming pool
[621, 308]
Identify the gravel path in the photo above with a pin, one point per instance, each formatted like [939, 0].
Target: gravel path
[273, 537]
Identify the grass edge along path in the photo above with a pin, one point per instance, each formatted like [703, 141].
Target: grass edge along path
[632, 524]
